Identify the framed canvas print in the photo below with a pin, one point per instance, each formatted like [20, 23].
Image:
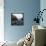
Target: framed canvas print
[17, 18]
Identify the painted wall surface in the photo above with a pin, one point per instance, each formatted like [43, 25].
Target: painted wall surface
[1, 20]
[43, 6]
[29, 8]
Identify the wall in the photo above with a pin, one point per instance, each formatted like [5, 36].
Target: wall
[1, 20]
[29, 8]
[43, 6]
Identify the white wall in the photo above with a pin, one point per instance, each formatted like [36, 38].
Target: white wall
[1, 20]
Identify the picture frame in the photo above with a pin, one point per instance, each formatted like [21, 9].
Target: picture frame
[17, 18]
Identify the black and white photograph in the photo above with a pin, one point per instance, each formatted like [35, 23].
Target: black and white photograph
[17, 18]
